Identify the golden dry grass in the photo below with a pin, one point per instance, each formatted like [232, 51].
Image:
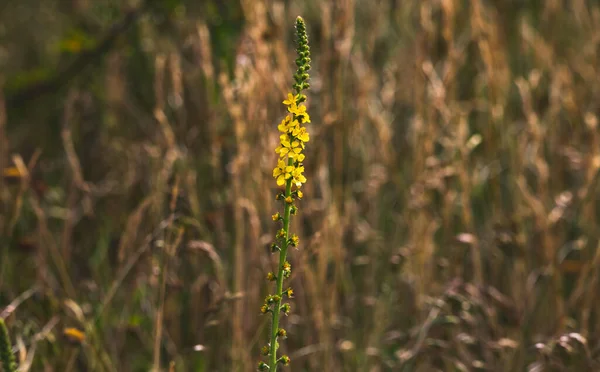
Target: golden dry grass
[449, 223]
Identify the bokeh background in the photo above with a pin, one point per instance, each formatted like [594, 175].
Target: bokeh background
[450, 218]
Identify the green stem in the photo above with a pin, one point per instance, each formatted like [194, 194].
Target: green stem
[6, 356]
[282, 258]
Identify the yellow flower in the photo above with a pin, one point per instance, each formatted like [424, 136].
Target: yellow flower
[292, 149]
[301, 134]
[291, 100]
[282, 172]
[283, 126]
[298, 110]
[297, 177]
[289, 172]
[305, 118]
[289, 292]
[74, 335]
[294, 240]
[287, 124]
[282, 149]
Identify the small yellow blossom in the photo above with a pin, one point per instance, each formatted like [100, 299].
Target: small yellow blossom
[74, 335]
[276, 217]
[305, 118]
[287, 125]
[301, 134]
[297, 177]
[298, 110]
[291, 100]
[283, 126]
[282, 172]
[289, 292]
[292, 149]
[294, 240]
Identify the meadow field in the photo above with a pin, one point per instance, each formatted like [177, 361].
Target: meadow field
[450, 219]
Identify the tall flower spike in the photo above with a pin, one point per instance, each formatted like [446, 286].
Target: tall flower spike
[288, 173]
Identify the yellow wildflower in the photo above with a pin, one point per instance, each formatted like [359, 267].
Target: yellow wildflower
[294, 240]
[74, 335]
[287, 125]
[289, 292]
[297, 177]
[291, 100]
[283, 126]
[290, 148]
[282, 172]
[298, 110]
[289, 172]
[305, 118]
[301, 134]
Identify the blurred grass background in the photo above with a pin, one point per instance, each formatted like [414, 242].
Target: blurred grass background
[450, 219]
